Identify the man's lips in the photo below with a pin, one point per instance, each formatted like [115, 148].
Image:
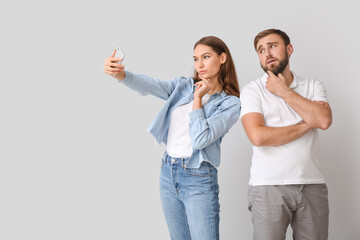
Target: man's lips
[270, 61]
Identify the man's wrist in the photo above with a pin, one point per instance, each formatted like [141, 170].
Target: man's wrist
[286, 93]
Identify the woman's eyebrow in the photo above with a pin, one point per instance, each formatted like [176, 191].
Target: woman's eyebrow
[202, 54]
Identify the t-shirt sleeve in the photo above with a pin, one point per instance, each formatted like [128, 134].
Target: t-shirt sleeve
[250, 100]
[319, 92]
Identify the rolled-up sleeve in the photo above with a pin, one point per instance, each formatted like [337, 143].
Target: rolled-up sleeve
[204, 131]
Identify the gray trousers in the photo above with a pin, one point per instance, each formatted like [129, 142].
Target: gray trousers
[274, 207]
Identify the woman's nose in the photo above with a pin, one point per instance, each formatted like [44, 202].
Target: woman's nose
[201, 64]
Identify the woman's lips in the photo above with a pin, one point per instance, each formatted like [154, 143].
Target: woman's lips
[202, 72]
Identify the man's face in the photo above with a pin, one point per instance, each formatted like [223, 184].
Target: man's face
[273, 54]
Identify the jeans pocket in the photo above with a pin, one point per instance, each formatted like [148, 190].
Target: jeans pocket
[252, 191]
[250, 197]
[324, 191]
[205, 169]
[163, 160]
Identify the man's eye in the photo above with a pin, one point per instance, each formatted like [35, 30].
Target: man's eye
[261, 51]
[272, 46]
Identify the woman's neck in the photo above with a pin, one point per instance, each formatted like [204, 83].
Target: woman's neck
[216, 88]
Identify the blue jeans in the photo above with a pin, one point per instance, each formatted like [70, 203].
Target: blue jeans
[190, 200]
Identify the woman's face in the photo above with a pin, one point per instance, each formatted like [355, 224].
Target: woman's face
[207, 62]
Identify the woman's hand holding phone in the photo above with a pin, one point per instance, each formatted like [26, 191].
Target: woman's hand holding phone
[113, 65]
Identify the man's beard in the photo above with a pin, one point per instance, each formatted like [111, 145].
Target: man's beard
[280, 68]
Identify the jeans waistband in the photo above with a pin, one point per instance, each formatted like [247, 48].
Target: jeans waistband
[177, 161]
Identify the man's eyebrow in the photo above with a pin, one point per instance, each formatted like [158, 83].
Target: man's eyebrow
[268, 43]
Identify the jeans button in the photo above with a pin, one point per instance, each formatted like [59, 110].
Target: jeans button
[172, 160]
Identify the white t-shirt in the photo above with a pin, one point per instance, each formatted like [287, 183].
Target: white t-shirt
[179, 141]
[296, 162]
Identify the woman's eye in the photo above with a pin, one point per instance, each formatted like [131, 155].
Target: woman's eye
[195, 59]
[206, 56]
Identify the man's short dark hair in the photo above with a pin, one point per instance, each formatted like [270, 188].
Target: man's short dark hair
[264, 33]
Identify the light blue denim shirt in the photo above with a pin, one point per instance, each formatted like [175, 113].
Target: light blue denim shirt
[208, 124]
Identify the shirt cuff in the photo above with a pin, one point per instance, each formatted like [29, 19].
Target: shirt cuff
[128, 78]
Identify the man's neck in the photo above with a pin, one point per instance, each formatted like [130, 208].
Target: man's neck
[288, 76]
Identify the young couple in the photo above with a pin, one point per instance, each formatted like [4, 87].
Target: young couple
[281, 113]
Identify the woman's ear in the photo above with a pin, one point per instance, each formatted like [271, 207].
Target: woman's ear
[223, 58]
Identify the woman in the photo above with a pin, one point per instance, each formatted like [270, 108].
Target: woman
[197, 113]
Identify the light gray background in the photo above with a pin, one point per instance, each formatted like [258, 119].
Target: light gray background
[76, 159]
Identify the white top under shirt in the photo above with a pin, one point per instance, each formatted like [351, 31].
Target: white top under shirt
[296, 162]
[179, 141]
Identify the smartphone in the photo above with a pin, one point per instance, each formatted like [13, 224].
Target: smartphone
[119, 54]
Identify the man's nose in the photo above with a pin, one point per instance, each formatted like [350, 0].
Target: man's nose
[268, 52]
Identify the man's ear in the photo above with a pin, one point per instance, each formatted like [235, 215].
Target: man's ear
[223, 58]
[290, 49]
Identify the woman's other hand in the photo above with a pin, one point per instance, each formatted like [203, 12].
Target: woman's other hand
[203, 87]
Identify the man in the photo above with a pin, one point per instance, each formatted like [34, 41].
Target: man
[281, 114]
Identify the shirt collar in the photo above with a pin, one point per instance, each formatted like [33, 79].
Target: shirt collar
[222, 94]
[297, 81]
